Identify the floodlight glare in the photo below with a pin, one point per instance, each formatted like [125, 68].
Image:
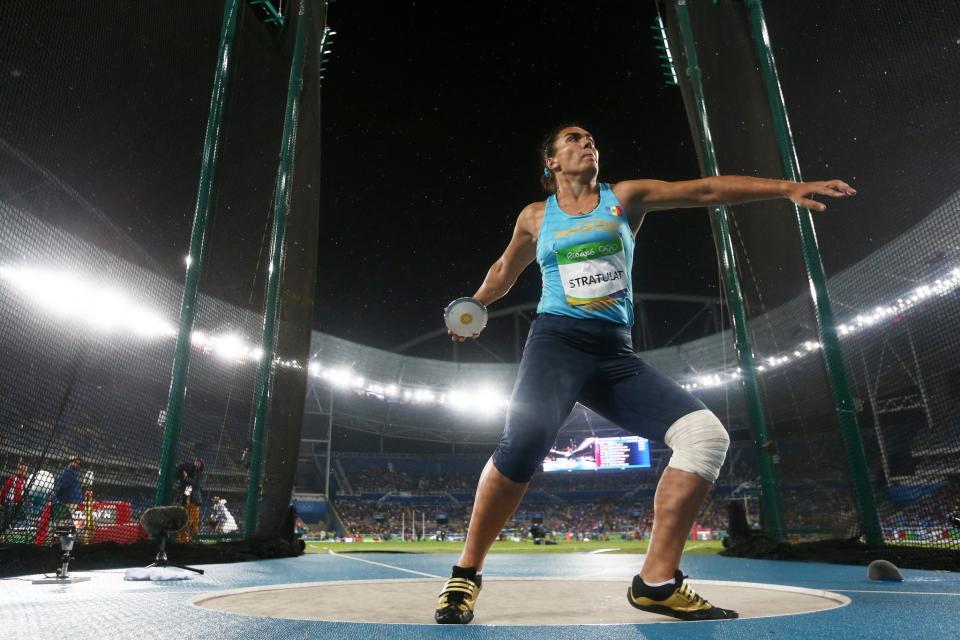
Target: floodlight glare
[70, 297]
[339, 378]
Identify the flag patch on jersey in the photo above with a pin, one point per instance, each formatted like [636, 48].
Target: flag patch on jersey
[616, 210]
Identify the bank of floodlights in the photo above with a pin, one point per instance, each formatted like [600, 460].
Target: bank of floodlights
[107, 310]
[326, 49]
[666, 56]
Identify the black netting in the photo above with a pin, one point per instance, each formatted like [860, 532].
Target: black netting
[104, 112]
[865, 92]
[892, 255]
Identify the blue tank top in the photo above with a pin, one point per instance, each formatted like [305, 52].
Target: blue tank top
[586, 260]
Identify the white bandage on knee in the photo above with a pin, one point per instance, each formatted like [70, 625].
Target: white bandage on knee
[699, 444]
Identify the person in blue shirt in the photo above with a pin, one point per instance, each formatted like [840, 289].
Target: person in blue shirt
[67, 491]
[580, 350]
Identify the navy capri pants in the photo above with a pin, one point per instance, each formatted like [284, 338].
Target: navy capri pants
[568, 360]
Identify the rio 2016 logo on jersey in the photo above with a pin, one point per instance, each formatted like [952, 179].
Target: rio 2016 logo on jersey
[601, 225]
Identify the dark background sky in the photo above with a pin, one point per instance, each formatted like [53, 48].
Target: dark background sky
[432, 117]
[432, 114]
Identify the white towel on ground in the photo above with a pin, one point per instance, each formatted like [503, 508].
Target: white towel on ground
[157, 573]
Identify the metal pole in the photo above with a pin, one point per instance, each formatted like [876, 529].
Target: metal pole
[326, 485]
[829, 340]
[774, 527]
[281, 208]
[181, 355]
[919, 379]
[871, 395]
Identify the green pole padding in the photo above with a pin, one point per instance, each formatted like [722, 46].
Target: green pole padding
[281, 208]
[826, 326]
[772, 511]
[181, 356]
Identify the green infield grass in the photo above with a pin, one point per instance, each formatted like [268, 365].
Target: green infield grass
[431, 546]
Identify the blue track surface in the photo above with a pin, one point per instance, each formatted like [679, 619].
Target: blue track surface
[924, 606]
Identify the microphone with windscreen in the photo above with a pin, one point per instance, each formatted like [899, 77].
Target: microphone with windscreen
[160, 520]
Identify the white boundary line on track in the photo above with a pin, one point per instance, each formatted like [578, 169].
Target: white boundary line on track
[383, 564]
[898, 593]
[839, 599]
[612, 571]
[596, 551]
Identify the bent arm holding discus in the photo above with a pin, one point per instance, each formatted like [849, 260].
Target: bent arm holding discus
[516, 257]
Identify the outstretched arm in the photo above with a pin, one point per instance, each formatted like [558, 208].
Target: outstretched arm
[641, 196]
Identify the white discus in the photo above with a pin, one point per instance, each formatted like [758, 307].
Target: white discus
[465, 317]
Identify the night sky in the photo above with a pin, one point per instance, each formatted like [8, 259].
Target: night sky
[431, 125]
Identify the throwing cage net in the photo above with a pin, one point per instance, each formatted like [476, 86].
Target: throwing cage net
[108, 126]
[864, 92]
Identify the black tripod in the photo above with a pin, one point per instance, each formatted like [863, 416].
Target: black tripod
[160, 522]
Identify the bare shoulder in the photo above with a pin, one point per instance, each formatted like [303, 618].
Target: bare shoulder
[531, 218]
[630, 191]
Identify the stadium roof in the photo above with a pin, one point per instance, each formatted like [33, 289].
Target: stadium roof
[382, 386]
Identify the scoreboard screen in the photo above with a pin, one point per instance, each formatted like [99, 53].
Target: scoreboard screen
[594, 454]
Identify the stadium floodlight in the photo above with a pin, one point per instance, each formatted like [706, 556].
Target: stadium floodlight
[458, 400]
[229, 346]
[488, 401]
[84, 302]
[339, 377]
[423, 396]
[938, 288]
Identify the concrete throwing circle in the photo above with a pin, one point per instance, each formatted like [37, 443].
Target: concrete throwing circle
[504, 601]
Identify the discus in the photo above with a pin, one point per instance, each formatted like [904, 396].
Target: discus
[465, 317]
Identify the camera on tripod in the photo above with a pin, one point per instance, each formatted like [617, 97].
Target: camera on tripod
[68, 536]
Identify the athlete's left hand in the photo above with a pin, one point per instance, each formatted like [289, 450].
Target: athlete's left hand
[802, 193]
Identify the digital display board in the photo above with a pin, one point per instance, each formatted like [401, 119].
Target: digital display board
[597, 454]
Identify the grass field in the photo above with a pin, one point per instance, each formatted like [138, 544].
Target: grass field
[430, 546]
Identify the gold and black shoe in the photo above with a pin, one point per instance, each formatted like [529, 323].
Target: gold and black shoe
[678, 600]
[459, 597]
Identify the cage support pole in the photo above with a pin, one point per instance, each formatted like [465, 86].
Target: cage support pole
[281, 209]
[181, 357]
[772, 511]
[826, 326]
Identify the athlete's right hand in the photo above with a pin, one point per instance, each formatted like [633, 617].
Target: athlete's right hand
[473, 315]
[457, 338]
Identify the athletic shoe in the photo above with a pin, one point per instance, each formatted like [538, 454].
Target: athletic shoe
[458, 597]
[677, 599]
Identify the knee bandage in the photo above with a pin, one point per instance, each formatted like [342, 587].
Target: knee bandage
[699, 443]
